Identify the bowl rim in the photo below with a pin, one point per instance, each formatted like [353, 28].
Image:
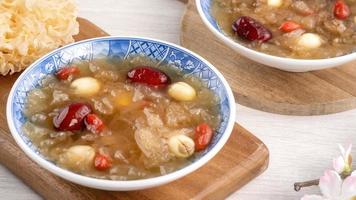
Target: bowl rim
[126, 185]
[228, 40]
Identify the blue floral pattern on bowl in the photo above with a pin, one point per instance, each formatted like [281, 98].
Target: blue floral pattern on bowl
[117, 48]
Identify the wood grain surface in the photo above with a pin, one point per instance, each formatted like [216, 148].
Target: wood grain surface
[267, 89]
[242, 159]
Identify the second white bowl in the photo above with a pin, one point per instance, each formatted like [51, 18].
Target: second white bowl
[286, 64]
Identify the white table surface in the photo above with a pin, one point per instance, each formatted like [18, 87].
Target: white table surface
[300, 147]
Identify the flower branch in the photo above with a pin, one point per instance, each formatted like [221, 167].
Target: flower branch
[336, 184]
[299, 185]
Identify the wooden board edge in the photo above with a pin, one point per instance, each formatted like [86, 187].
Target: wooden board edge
[324, 108]
[184, 1]
[260, 166]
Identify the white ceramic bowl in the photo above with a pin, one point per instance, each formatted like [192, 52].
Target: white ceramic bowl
[286, 64]
[122, 48]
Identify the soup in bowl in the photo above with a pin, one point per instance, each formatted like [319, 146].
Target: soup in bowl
[121, 113]
[292, 35]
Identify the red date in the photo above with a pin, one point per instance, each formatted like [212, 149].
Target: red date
[250, 29]
[102, 162]
[94, 124]
[71, 118]
[203, 136]
[289, 26]
[149, 76]
[64, 73]
[341, 10]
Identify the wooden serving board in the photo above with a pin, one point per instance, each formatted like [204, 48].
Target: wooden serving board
[242, 159]
[272, 90]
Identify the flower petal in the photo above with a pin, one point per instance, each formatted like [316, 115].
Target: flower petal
[312, 197]
[348, 150]
[349, 186]
[339, 164]
[343, 152]
[347, 156]
[330, 184]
